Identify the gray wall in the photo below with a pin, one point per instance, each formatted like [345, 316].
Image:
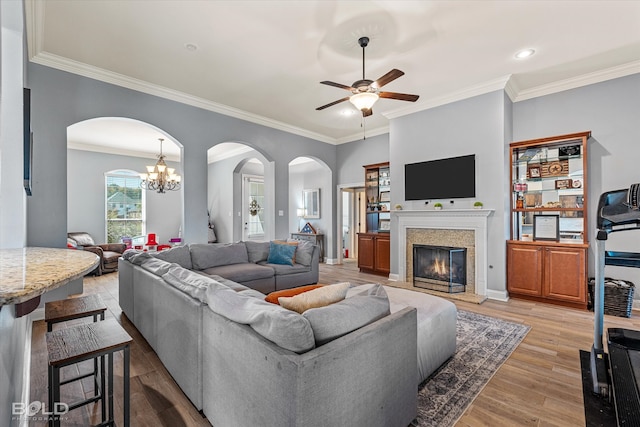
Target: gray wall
[86, 195]
[61, 99]
[353, 156]
[611, 111]
[309, 176]
[472, 126]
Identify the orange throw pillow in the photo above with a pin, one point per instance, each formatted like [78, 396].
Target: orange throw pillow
[273, 296]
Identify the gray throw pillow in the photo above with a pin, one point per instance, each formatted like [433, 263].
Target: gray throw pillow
[205, 256]
[179, 254]
[304, 252]
[336, 320]
[257, 251]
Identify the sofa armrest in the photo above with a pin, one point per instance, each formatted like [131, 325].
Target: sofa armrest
[114, 247]
[368, 376]
[96, 250]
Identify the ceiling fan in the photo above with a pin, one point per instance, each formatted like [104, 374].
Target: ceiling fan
[365, 92]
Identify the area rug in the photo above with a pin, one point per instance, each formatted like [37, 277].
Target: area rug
[483, 344]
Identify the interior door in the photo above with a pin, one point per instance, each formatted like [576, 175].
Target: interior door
[253, 207]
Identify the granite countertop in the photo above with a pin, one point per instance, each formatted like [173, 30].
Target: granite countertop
[26, 273]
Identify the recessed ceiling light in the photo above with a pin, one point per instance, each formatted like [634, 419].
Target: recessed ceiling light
[191, 47]
[525, 53]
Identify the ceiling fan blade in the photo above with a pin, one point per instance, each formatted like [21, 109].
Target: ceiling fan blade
[333, 103]
[400, 96]
[387, 78]
[367, 113]
[338, 85]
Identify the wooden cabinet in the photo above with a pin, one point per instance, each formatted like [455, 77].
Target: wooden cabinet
[374, 251]
[374, 246]
[551, 273]
[547, 252]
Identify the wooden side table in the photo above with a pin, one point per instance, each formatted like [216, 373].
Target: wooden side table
[316, 239]
[88, 341]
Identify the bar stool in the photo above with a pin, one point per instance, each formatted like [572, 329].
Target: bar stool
[84, 342]
[74, 308]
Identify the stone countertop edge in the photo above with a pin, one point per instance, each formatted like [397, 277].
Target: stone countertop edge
[26, 273]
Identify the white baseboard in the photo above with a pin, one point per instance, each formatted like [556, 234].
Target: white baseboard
[394, 277]
[331, 261]
[498, 295]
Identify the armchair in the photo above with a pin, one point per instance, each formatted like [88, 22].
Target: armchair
[107, 252]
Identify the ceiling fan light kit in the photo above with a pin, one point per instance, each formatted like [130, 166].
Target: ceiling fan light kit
[366, 92]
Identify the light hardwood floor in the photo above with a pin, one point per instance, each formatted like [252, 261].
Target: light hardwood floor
[539, 385]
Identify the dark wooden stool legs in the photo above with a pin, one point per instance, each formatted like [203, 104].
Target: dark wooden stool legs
[84, 342]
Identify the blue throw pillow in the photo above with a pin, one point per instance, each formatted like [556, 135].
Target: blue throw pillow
[281, 254]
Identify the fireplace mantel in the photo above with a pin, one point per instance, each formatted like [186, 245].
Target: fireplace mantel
[446, 219]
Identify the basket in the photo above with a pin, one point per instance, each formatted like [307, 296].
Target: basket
[618, 296]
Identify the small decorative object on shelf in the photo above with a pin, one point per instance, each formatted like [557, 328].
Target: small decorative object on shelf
[437, 206]
[477, 205]
[308, 228]
[398, 207]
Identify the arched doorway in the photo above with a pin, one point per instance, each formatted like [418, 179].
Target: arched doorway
[99, 146]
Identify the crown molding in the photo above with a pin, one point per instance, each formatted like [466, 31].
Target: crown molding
[75, 67]
[469, 92]
[367, 134]
[579, 81]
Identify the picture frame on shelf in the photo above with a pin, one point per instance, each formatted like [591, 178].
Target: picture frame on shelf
[384, 225]
[534, 172]
[546, 228]
[308, 228]
[563, 184]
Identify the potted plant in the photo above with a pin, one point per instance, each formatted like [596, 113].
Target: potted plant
[437, 206]
[477, 205]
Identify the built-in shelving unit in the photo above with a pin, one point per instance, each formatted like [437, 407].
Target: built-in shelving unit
[547, 252]
[374, 245]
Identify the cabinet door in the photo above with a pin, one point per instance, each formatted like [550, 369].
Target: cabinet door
[365, 252]
[565, 274]
[524, 266]
[383, 254]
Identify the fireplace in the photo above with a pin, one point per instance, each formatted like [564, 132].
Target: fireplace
[440, 268]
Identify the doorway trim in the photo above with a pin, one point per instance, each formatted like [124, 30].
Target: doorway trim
[339, 245]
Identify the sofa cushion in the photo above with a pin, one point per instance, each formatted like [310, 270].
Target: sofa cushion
[178, 254]
[336, 320]
[304, 252]
[273, 296]
[190, 282]
[151, 264]
[257, 251]
[110, 257]
[205, 256]
[285, 328]
[284, 269]
[241, 272]
[316, 298]
[81, 238]
[281, 253]
[228, 283]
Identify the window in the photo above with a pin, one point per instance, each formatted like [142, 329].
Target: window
[124, 205]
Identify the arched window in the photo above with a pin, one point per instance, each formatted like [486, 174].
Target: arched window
[124, 205]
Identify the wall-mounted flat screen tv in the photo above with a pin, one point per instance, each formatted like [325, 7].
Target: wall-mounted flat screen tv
[451, 178]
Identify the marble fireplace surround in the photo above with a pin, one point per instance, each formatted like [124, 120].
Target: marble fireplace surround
[446, 219]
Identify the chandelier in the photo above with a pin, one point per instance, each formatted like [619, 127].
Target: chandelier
[160, 177]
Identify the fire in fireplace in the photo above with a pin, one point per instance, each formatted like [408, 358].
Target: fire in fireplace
[440, 268]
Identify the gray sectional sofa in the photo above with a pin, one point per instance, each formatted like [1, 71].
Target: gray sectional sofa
[245, 361]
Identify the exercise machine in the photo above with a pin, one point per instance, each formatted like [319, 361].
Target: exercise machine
[616, 377]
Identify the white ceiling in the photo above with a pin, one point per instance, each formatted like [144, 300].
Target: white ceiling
[263, 60]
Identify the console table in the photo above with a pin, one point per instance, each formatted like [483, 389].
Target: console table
[316, 239]
[27, 273]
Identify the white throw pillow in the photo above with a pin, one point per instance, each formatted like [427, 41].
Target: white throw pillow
[319, 297]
